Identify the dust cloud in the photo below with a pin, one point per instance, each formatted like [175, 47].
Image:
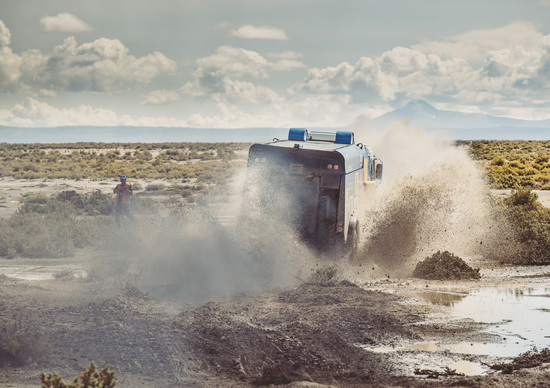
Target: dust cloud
[433, 196]
[195, 254]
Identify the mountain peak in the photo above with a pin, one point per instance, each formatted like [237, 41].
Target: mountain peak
[421, 106]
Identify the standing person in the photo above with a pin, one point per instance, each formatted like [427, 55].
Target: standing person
[123, 193]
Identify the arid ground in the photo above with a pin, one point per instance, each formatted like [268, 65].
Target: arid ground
[325, 331]
[330, 324]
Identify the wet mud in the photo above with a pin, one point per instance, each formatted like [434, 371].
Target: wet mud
[327, 331]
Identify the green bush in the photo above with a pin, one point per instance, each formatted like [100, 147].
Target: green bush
[48, 227]
[20, 341]
[527, 164]
[90, 377]
[155, 187]
[531, 223]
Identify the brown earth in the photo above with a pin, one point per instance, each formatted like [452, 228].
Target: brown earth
[318, 333]
[323, 331]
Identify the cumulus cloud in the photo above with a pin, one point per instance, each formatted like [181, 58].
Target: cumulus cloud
[34, 113]
[228, 72]
[473, 46]
[64, 22]
[5, 35]
[10, 63]
[263, 32]
[157, 97]
[47, 93]
[312, 111]
[286, 55]
[103, 65]
[469, 70]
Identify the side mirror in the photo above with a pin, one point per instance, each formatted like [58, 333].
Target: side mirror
[378, 168]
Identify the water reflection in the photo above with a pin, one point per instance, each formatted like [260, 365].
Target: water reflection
[468, 368]
[448, 299]
[519, 315]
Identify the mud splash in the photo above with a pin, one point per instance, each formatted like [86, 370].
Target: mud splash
[433, 198]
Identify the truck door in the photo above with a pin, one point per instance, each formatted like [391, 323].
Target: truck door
[303, 192]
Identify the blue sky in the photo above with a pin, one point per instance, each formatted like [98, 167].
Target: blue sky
[232, 64]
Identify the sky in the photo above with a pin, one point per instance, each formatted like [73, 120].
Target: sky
[263, 63]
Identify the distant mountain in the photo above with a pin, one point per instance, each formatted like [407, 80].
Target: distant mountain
[138, 135]
[467, 126]
[460, 126]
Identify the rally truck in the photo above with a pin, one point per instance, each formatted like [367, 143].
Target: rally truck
[315, 181]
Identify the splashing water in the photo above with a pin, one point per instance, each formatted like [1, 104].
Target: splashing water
[433, 197]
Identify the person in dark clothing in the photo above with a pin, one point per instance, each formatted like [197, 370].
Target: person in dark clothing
[123, 193]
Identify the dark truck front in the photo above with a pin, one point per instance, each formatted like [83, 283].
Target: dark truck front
[314, 181]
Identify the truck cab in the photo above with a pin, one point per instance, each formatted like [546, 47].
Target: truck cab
[314, 181]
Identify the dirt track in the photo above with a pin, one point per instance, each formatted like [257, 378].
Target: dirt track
[324, 331]
[344, 331]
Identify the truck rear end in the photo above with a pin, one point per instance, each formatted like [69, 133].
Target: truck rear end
[314, 181]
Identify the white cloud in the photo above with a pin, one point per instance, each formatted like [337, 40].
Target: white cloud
[5, 35]
[64, 22]
[47, 93]
[10, 72]
[504, 75]
[263, 32]
[286, 55]
[33, 113]
[228, 72]
[246, 91]
[313, 111]
[157, 97]
[103, 65]
[10, 63]
[232, 61]
[473, 46]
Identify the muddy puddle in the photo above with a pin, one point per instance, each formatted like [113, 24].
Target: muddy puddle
[47, 271]
[517, 317]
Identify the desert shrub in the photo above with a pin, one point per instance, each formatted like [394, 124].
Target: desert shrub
[99, 203]
[187, 193]
[20, 341]
[527, 162]
[498, 161]
[155, 187]
[39, 161]
[41, 204]
[67, 202]
[48, 233]
[531, 223]
[445, 266]
[90, 377]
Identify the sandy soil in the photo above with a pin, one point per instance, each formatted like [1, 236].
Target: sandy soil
[325, 332]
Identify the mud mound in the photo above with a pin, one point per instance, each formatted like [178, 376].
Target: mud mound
[530, 359]
[445, 266]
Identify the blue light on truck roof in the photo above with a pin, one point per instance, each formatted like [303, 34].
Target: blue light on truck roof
[344, 137]
[299, 134]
